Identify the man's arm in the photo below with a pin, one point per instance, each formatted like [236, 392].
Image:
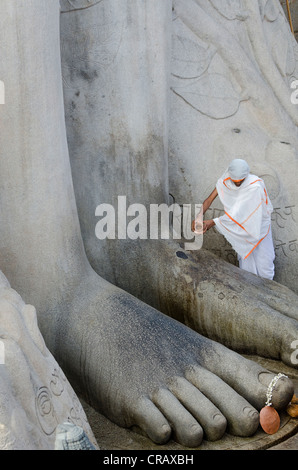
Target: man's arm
[206, 204]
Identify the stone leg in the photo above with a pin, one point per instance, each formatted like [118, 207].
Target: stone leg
[131, 362]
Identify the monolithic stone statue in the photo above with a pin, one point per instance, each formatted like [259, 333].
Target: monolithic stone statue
[136, 365]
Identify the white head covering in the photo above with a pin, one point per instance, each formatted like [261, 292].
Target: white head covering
[238, 169]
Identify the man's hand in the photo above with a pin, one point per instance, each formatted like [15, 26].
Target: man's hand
[207, 224]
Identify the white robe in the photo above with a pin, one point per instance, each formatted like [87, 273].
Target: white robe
[246, 223]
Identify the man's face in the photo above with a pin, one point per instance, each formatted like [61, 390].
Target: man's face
[238, 182]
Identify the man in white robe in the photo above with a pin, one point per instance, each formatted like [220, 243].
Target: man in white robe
[246, 223]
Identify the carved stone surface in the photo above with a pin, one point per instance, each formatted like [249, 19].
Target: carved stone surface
[231, 107]
[130, 361]
[70, 5]
[35, 396]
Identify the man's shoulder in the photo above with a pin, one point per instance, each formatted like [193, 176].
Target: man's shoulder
[255, 181]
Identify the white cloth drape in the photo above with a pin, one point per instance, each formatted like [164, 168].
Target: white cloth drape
[247, 218]
[261, 260]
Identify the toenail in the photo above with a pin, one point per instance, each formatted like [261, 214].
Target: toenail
[195, 428]
[165, 433]
[248, 411]
[218, 417]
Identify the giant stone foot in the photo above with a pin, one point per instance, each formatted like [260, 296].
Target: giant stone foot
[141, 368]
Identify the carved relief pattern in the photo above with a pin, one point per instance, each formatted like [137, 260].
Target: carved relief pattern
[285, 244]
[190, 59]
[69, 5]
[57, 403]
[281, 215]
[57, 384]
[270, 10]
[286, 249]
[283, 46]
[208, 92]
[45, 410]
[212, 95]
[230, 9]
[76, 416]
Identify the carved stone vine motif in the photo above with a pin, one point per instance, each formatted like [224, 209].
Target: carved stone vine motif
[230, 9]
[69, 5]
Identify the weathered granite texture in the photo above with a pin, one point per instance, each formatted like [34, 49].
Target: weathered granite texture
[35, 395]
[107, 103]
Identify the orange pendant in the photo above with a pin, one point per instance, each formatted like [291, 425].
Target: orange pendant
[269, 420]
